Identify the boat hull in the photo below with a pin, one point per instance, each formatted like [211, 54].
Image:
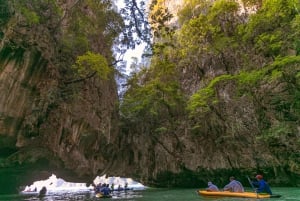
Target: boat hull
[233, 194]
[99, 195]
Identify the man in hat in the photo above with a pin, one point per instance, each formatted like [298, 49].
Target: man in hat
[263, 186]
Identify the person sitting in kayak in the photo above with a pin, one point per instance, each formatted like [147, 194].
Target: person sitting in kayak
[263, 186]
[105, 190]
[112, 186]
[211, 187]
[43, 192]
[98, 188]
[234, 186]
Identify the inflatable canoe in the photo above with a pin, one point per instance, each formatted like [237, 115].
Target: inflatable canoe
[235, 194]
[99, 195]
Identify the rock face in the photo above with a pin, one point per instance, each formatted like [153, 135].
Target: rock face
[247, 123]
[47, 124]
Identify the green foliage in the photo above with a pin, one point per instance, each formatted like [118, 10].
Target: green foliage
[282, 62]
[252, 55]
[5, 13]
[75, 44]
[206, 96]
[92, 26]
[30, 16]
[150, 100]
[159, 16]
[295, 105]
[211, 35]
[223, 15]
[38, 12]
[269, 27]
[269, 44]
[295, 25]
[153, 96]
[276, 132]
[91, 62]
[194, 35]
[9, 53]
[161, 130]
[192, 9]
[250, 79]
[246, 81]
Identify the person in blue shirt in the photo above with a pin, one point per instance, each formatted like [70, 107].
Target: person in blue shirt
[105, 190]
[234, 186]
[263, 186]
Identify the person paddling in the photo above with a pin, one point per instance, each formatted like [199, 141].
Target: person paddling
[212, 187]
[234, 186]
[43, 192]
[263, 186]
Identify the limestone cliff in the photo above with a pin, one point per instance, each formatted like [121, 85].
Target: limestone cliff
[50, 120]
[213, 104]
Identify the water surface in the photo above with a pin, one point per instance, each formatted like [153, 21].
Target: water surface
[288, 194]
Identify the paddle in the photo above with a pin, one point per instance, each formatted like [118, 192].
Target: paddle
[253, 188]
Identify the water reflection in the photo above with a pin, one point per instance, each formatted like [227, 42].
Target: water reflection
[129, 195]
[153, 194]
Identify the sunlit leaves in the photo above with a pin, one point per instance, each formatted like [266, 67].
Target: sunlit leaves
[192, 9]
[203, 98]
[269, 28]
[269, 44]
[90, 63]
[159, 17]
[30, 16]
[296, 34]
[224, 15]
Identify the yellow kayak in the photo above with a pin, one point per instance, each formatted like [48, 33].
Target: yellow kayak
[99, 195]
[234, 194]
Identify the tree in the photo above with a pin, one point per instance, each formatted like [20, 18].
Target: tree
[137, 29]
[89, 65]
[269, 27]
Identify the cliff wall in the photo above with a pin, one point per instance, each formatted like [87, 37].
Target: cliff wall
[51, 120]
[214, 103]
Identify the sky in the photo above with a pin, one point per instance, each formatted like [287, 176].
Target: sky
[137, 52]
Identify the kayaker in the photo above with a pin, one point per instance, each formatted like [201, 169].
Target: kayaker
[263, 186]
[234, 186]
[43, 192]
[211, 187]
[105, 190]
[112, 186]
[98, 188]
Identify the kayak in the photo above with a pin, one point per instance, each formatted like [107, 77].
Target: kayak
[235, 194]
[99, 195]
[122, 189]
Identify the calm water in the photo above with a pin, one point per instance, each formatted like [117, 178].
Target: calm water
[288, 194]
